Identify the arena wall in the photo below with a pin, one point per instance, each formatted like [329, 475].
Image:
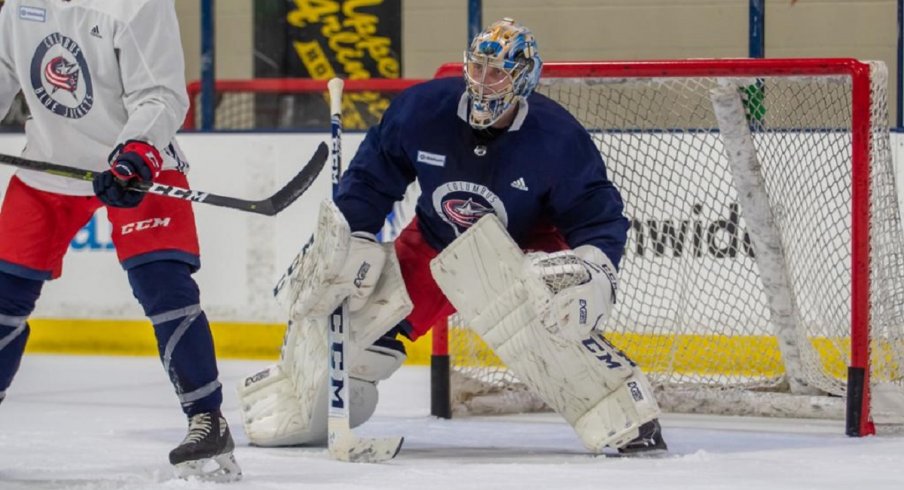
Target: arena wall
[435, 31]
[91, 308]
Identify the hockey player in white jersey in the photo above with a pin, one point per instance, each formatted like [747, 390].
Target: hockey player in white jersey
[104, 80]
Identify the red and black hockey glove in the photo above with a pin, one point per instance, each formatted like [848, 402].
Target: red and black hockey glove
[131, 163]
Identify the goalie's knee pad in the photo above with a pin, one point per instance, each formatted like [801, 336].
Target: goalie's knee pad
[376, 363]
[379, 361]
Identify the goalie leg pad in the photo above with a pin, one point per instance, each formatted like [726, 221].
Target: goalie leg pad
[598, 390]
[274, 415]
[286, 404]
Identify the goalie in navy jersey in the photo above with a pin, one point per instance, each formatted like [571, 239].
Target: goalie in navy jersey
[104, 80]
[484, 144]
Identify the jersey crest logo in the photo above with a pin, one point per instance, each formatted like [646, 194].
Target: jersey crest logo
[61, 74]
[60, 78]
[461, 204]
[465, 213]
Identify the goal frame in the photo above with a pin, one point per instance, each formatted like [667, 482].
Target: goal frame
[858, 420]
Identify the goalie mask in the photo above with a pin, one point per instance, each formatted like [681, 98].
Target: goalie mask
[501, 67]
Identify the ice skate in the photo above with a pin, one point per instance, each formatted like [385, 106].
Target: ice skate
[206, 452]
[648, 443]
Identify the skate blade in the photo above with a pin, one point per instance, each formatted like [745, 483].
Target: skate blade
[221, 469]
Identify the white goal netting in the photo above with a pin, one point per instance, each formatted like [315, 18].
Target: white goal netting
[692, 308]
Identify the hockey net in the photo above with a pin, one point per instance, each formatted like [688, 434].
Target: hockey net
[778, 290]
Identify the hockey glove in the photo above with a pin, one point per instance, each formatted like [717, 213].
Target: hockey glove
[132, 163]
[331, 271]
[583, 282]
[366, 258]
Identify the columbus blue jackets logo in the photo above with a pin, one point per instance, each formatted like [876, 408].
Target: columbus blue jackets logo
[60, 77]
[462, 204]
[464, 213]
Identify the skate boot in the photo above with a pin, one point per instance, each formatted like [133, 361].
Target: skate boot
[206, 452]
[648, 443]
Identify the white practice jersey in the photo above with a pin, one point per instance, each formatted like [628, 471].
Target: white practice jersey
[95, 73]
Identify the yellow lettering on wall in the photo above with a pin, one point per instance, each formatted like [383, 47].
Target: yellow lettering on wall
[314, 59]
[350, 41]
[311, 11]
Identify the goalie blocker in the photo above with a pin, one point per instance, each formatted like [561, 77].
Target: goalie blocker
[515, 303]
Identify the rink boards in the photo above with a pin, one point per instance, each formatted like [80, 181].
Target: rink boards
[91, 309]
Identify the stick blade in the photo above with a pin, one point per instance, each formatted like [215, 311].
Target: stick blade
[353, 449]
[299, 184]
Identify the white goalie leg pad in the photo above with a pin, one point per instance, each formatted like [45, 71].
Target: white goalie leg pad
[591, 384]
[286, 404]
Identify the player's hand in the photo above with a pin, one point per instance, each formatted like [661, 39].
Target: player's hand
[131, 164]
[364, 265]
[353, 275]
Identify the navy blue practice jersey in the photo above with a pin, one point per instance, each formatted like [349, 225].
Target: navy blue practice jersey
[544, 170]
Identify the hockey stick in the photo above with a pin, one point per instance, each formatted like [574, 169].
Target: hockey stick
[268, 207]
[344, 445]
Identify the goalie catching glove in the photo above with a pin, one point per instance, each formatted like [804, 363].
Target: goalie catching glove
[583, 281]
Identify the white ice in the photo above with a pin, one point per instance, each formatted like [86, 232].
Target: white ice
[72, 422]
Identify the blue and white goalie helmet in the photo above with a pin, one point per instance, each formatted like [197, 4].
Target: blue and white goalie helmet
[501, 67]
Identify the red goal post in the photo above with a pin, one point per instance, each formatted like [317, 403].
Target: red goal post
[819, 130]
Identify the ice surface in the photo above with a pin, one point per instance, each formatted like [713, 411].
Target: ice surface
[73, 422]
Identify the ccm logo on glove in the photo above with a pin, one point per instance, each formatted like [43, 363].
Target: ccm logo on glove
[361, 275]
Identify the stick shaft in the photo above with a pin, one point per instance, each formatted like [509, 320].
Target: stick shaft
[269, 207]
[335, 87]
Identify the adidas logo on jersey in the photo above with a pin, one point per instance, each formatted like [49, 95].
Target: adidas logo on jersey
[95, 31]
[519, 184]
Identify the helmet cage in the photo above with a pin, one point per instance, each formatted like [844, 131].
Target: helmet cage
[501, 67]
[491, 87]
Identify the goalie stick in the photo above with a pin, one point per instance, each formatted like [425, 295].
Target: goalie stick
[268, 207]
[344, 445]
